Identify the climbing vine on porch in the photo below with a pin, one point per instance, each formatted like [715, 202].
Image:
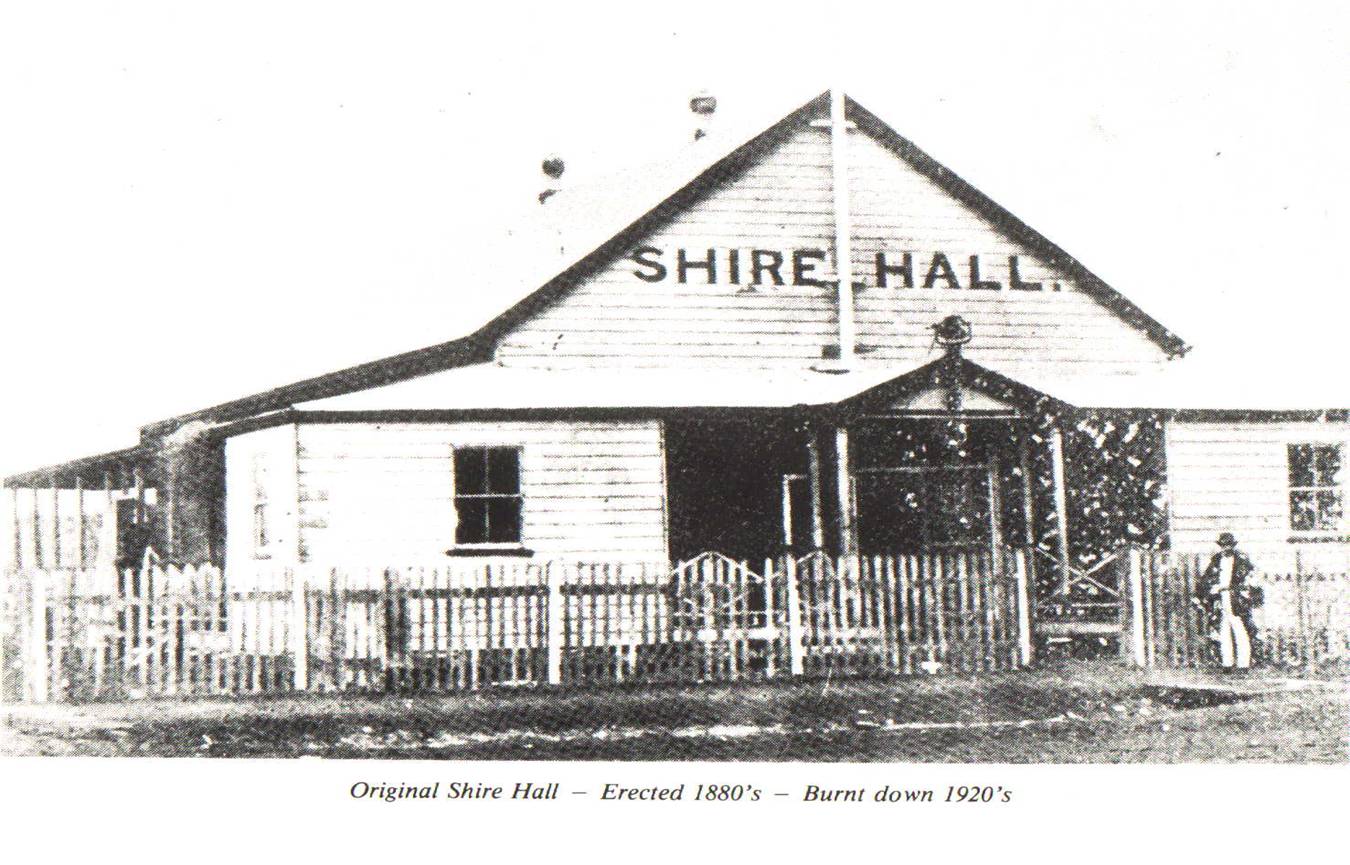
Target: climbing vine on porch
[1115, 470]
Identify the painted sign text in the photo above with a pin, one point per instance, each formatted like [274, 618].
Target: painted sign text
[811, 267]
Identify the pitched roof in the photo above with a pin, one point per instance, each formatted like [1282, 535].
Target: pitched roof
[953, 185]
[690, 180]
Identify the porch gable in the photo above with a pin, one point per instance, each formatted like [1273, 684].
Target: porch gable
[952, 384]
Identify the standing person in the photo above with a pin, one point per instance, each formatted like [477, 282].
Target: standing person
[1228, 602]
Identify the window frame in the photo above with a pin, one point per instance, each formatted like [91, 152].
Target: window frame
[261, 538]
[515, 547]
[1341, 489]
[260, 529]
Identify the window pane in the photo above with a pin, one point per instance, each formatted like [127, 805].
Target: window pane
[503, 470]
[1302, 511]
[503, 520]
[1328, 510]
[1329, 466]
[472, 527]
[470, 471]
[1300, 466]
[260, 535]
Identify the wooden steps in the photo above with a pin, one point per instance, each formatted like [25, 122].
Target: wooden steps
[1077, 628]
[1068, 619]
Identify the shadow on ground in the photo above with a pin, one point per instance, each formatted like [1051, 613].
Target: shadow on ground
[1075, 713]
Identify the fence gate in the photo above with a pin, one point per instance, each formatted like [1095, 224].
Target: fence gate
[963, 611]
[109, 634]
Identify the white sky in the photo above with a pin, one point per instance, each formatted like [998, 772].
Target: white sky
[197, 205]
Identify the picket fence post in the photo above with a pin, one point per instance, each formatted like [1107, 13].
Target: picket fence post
[553, 576]
[299, 630]
[796, 661]
[1024, 642]
[37, 671]
[1305, 640]
[6, 581]
[1135, 586]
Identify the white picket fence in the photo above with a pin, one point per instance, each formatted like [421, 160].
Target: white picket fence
[1302, 622]
[165, 631]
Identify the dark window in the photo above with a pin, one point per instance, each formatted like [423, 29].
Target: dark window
[487, 495]
[1316, 488]
[912, 509]
[260, 538]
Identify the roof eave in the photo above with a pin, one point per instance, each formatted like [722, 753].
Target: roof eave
[970, 374]
[458, 352]
[47, 475]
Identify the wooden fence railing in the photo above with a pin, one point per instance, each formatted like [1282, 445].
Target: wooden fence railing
[106, 634]
[1304, 620]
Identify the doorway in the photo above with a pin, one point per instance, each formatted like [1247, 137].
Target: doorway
[916, 508]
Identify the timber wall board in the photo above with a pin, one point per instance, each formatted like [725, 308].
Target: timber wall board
[615, 318]
[1233, 476]
[261, 463]
[382, 493]
[42, 528]
[784, 204]
[896, 209]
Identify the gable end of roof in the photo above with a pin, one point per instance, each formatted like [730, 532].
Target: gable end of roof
[480, 346]
[1015, 228]
[710, 179]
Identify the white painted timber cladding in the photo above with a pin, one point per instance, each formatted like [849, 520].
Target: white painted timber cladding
[1233, 476]
[783, 203]
[29, 517]
[382, 493]
[274, 451]
[895, 209]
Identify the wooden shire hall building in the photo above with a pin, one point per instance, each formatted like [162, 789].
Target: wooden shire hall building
[810, 350]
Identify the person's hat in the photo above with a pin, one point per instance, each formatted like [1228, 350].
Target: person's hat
[1227, 540]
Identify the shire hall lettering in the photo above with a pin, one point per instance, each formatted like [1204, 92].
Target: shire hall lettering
[750, 268]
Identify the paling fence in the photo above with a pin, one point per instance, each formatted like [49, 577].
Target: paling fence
[1303, 622]
[163, 631]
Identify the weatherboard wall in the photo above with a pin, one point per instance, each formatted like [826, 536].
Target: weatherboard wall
[58, 528]
[260, 468]
[1233, 476]
[383, 493]
[896, 210]
[615, 318]
[644, 310]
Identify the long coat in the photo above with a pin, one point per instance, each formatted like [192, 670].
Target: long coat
[1245, 597]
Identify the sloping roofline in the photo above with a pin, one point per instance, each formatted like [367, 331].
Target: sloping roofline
[478, 347]
[43, 476]
[1006, 222]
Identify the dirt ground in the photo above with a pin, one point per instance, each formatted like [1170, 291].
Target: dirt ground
[1076, 713]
